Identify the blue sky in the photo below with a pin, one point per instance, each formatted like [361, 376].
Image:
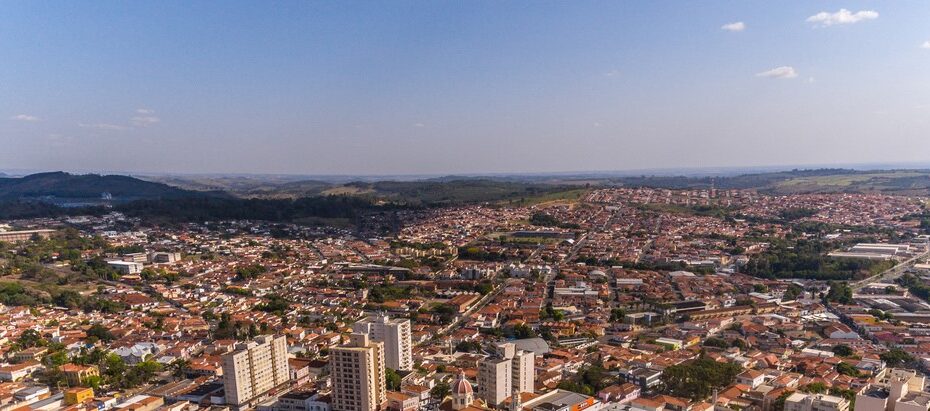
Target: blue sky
[411, 87]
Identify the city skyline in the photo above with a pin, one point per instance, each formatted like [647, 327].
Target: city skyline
[425, 88]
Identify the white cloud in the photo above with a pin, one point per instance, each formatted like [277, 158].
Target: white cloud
[25, 117]
[103, 126]
[612, 73]
[146, 117]
[826, 19]
[783, 72]
[926, 45]
[735, 26]
[144, 121]
[419, 125]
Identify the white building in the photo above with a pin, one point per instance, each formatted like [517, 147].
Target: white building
[895, 390]
[395, 334]
[126, 267]
[254, 369]
[815, 402]
[508, 372]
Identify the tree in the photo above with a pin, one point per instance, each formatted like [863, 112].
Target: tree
[779, 403]
[468, 346]
[440, 390]
[846, 369]
[839, 293]
[101, 332]
[617, 314]
[842, 350]
[895, 357]
[521, 331]
[716, 342]
[392, 379]
[30, 338]
[180, 367]
[792, 293]
[815, 388]
[697, 379]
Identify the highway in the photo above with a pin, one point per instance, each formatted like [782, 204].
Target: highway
[891, 273]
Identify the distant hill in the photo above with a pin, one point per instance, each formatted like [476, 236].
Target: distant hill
[61, 187]
[832, 180]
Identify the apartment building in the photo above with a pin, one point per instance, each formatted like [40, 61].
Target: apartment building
[395, 334]
[894, 390]
[254, 369]
[815, 402]
[357, 375]
[495, 380]
[509, 371]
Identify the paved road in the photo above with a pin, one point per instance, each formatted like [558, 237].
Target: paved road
[891, 273]
[464, 316]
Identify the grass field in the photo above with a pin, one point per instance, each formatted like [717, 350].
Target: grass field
[567, 196]
[864, 182]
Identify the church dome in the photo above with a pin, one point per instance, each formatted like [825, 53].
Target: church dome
[461, 386]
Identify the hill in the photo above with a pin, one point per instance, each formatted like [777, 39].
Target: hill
[60, 187]
[905, 182]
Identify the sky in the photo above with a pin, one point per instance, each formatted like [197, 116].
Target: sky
[445, 87]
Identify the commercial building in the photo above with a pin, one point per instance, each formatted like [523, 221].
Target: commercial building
[357, 375]
[298, 401]
[25, 235]
[254, 370]
[126, 267]
[164, 257]
[395, 334]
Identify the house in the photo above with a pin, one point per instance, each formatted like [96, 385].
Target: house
[752, 378]
[78, 395]
[19, 371]
[77, 375]
[619, 393]
[398, 401]
[840, 331]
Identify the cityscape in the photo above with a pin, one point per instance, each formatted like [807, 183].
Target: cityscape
[464, 206]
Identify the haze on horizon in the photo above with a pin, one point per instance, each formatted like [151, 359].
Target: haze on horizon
[419, 87]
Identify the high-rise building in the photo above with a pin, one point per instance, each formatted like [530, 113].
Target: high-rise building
[357, 375]
[395, 334]
[508, 372]
[253, 369]
[523, 371]
[494, 380]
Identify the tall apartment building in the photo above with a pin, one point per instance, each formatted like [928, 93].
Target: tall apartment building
[509, 371]
[395, 334]
[357, 375]
[253, 369]
[494, 380]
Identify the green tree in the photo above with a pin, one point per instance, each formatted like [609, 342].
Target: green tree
[101, 332]
[842, 350]
[392, 379]
[440, 390]
[697, 379]
[896, 356]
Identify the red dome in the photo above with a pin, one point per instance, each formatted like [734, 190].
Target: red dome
[461, 386]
